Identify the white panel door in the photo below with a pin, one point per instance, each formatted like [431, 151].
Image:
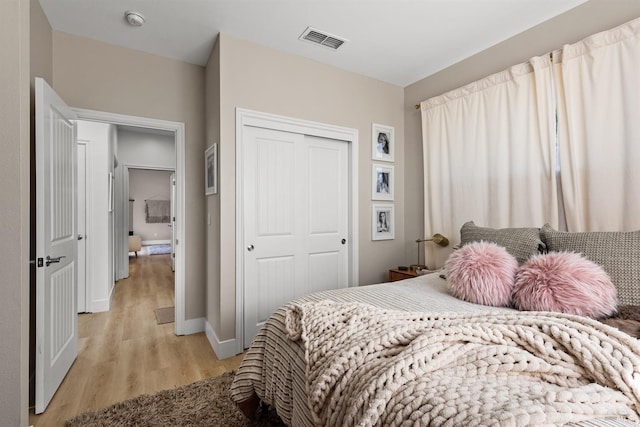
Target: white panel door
[295, 220]
[56, 243]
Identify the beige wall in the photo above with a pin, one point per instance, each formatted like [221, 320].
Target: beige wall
[212, 114]
[98, 76]
[41, 65]
[41, 43]
[262, 79]
[572, 26]
[14, 211]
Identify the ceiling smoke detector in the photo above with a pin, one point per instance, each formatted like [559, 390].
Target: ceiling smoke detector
[322, 38]
[134, 18]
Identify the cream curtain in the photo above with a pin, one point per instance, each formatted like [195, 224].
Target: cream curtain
[489, 152]
[599, 130]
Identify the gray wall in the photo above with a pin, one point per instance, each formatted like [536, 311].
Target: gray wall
[572, 26]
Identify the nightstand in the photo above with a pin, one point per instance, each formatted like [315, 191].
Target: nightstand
[395, 274]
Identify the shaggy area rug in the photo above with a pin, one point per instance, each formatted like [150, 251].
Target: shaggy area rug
[204, 403]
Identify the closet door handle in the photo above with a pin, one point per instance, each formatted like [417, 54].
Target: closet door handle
[250, 248]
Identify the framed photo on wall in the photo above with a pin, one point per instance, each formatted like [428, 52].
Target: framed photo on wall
[211, 170]
[382, 142]
[382, 182]
[382, 222]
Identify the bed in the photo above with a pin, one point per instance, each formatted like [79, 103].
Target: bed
[399, 354]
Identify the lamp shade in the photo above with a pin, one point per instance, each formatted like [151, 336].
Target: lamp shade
[437, 238]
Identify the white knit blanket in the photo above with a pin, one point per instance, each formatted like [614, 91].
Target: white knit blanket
[369, 366]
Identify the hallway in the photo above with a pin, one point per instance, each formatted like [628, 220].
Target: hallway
[124, 352]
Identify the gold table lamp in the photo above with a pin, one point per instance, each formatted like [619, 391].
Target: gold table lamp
[438, 239]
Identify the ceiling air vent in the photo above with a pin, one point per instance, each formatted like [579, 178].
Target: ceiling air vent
[322, 38]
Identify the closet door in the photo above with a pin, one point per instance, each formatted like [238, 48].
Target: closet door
[295, 220]
[327, 214]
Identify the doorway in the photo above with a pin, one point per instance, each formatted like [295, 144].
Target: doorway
[57, 236]
[179, 226]
[150, 214]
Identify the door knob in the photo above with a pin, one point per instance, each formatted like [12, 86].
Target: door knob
[343, 241]
[250, 248]
[80, 237]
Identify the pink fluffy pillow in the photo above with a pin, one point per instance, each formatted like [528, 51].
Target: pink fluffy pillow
[482, 273]
[564, 282]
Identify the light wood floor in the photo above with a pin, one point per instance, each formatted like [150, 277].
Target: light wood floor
[124, 352]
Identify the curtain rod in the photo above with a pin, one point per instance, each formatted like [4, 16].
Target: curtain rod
[417, 106]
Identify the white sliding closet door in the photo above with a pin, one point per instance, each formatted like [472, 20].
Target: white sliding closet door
[296, 194]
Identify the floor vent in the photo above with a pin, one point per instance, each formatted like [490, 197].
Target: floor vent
[322, 38]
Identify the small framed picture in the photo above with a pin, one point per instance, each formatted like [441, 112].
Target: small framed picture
[382, 222]
[211, 170]
[382, 142]
[382, 181]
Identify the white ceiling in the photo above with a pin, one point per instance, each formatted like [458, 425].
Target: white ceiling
[396, 41]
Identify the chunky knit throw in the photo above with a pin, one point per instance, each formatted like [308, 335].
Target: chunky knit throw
[369, 366]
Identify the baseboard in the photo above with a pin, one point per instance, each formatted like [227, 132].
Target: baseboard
[155, 242]
[222, 349]
[193, 326]
[101, 305]
[98, 306]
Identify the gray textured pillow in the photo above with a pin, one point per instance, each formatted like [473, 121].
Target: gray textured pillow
[522, 243]
[617, 252]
